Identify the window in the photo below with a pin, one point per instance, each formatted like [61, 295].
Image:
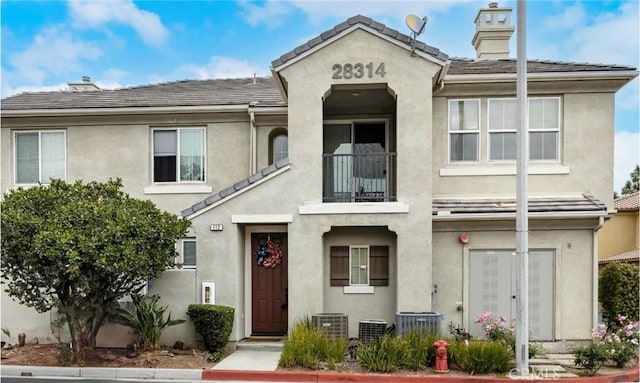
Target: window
[464, 126]
[280, 147]
[40, 156]
[544, 128]
[178, 155]
[503, 125]
[189, 253]
[359, 265]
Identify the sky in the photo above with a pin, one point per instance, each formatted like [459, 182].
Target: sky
[120, 43]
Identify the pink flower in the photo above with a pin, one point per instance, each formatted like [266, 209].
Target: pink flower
[503, 319]
[622, 318]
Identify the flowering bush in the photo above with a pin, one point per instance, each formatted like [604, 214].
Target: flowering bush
[498, 329]
[619, 346]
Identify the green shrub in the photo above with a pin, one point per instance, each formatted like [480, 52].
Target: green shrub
[213, 323]
[421, 351]
[387, 354]
[307, 347]
[456, 352]
[591, 357]
[618, 293]
[147, 320]
[483, 357]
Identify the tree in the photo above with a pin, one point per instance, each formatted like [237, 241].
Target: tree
[618, 292]
[633, 184]
[81, 247]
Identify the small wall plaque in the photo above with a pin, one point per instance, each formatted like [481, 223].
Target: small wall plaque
[216, 227]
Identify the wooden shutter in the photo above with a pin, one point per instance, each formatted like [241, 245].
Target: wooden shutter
[339, 265]
[379, 266]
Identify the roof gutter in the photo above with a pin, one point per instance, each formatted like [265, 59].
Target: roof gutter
[546, 76]
[445, 216]
[243, 108]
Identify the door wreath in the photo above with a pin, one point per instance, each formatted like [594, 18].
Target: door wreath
[269, 254]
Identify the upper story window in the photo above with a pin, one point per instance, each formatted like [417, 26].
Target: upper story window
[464, 130]
[279, 146]
[178, 155]
[40, 156]
[503, 125]
[544, 128]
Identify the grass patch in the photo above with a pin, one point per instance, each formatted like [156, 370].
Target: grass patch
[307, 347]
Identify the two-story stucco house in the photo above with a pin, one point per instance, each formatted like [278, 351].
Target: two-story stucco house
[369, 175]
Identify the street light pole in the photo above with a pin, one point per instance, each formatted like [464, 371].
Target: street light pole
[522, 213]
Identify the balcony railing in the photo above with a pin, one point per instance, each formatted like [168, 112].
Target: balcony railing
[360, 177]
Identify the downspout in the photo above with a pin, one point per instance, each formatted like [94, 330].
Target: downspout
[252, 141]
[594, 292]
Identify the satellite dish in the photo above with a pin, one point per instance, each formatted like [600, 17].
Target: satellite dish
[416, 24]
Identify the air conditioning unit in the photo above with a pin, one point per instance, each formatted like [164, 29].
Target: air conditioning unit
[423, 322]
[371, 330]
[336, 325]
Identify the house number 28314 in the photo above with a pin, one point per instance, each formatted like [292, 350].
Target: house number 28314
[358, 70]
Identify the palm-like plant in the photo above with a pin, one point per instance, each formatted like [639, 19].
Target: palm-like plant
[147, 320]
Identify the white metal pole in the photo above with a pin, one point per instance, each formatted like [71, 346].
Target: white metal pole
[522, 217]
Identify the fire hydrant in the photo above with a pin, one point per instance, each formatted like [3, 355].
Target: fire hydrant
[441, 356]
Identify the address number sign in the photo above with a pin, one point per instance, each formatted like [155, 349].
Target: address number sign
[349, 71]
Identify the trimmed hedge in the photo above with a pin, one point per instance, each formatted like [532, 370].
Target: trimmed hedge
[618, 293]
[213, 323]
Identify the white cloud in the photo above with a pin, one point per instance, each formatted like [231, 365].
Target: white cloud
[95, 14]
[271, 14]
[611, 38]
[221, 67]
[572, 16]
[626, 157]
[53, 52]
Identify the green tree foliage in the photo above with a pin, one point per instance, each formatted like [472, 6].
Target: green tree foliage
[633, 184]
[618, 293]
[81, 247]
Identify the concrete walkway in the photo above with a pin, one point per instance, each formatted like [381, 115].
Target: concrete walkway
[250, 360]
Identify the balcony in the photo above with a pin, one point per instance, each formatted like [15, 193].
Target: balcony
[359, 177]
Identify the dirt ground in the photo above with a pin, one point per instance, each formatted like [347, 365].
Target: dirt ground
[52, 355]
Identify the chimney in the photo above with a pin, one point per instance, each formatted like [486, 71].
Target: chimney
[83, 86]
[493, 31]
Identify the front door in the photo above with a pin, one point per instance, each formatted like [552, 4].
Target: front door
[269, 284]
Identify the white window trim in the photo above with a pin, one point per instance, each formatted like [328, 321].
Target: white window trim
[177, 129]
[181, 256]
[529, 131]
[351, 248]
[450, 131]
[558, 130]
[489, 131]
[15, 154]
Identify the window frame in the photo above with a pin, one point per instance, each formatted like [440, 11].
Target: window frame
[179, 262]
[498, 131]
[378, 271]
[273, 136]
[556, 130]
[451, 132]
[178, 129]
[15, 154]
[367, 266]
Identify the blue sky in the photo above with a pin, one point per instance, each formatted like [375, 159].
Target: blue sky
[119, 43]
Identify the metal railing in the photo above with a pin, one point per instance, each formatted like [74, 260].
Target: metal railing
[359, 177]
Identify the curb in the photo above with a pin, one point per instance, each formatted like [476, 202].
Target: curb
[102, 372]
[631, 375]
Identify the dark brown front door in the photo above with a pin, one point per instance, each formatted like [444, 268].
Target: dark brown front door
[269, 285]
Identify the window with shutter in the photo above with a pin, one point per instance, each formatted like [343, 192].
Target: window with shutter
[359, 265]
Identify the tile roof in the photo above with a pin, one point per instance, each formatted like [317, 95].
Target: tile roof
[365, 21]
[237, 91]
[629, 202]
[461, 66]
[235, 188]
[627, 256]
[576, 204]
